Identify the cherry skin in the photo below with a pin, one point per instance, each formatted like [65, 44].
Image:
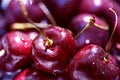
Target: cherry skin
[32, 34]
[115, 51]
[97, 7]
[89, 64]
[14, 14]
[91, 35]
[31, 73]
[52, 59]
[118, 1]
[63, 76]
[3, 29]
[6, 75]
[117, 32]
[116, 42]
[62, 10]
[101, 8]
[16, 52]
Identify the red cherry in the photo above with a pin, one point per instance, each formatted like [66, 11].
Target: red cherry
[13, 12]
[91, 34]
[101, 8]
[53, 58]
[62, 10]
[32, 34]
[89, 63]
[3, 24]
[32, 74]
[97, 7]
[16, 52]
[117, 32]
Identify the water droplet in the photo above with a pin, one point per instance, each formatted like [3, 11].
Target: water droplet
[23, 39]
[93, 63]
[103, 72]
[2, 52]
[26, 44]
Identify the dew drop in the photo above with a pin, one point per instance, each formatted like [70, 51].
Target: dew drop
[103, 72]
[2, 52]
[93, 63]
[26, 44]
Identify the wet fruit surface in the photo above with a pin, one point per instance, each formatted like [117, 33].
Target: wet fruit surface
[59, 40]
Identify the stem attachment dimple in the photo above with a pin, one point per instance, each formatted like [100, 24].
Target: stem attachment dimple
[108, 45]
[49, 42]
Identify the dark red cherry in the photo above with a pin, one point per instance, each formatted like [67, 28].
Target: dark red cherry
[116, 42]
[62, 10]
[16, 52]
[115, 51]
[108, 15]
[89, 64]
[64, 75]
[54, 57]
[7, 75]
[92, 34]
[101, 8]
[3, 24]
[32, 74]
[32, 34]
[97, 7]
[116, 37]
[14, 14]
[118, 1]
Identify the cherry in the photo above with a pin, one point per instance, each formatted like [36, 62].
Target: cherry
[118, 1]
[13, 12]
[97, 7]
[32, 74]
[16, 52]
[117, 32]
[109, 17]
[6, 75]
[116, 42]
[53, 44]
[89, 33]
[63, 75]
[89, 64]
[32, 34]
[92, 62]
[54, 56]
[115, 51]
[3, 30]
[62, 10]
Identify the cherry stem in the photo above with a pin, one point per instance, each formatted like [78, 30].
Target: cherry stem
[92, 22]
[23, 26]
[47, 13]
[49, 42]
[108, 45]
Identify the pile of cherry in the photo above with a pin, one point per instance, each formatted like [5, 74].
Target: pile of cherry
[59, 39]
